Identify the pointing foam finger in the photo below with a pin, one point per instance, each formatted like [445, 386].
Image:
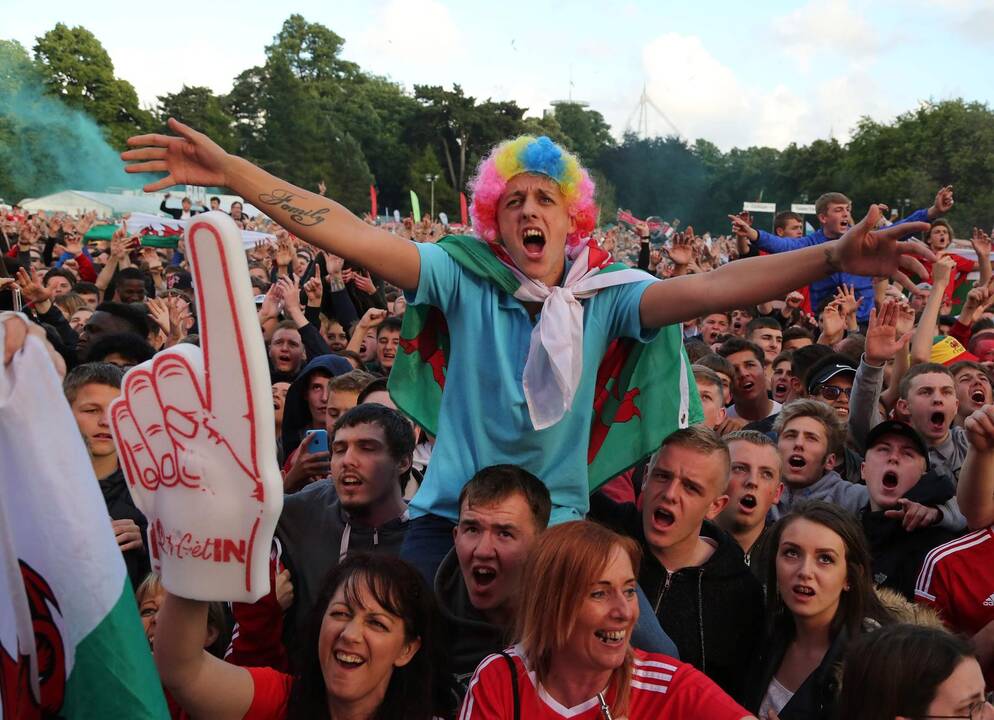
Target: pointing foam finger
[236, 386]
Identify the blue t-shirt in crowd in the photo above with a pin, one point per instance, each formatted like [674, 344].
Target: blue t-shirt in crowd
[484, 417]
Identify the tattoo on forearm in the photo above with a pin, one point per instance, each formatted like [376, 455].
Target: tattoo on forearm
[284, 200]
[831, 260]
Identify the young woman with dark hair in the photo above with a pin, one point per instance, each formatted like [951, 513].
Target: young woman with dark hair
[820, 595]
[372, 655]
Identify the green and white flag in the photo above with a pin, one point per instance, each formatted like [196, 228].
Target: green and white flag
[71, 642]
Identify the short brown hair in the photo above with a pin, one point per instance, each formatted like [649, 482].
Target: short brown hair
[706, 376]
[716, 362]
[499, 482]
[352, 381]
[736, 344]
[567, 559]
[917, 370]
[835, 429]
[830, 198]
[701, 439]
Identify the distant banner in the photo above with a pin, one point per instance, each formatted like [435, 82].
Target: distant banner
[156, 231]
[372, 202]
[415, 207]
[803, 209]
[628, 219]
[463, 211]
[759, 207]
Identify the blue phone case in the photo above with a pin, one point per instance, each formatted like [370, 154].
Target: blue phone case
[318, 441]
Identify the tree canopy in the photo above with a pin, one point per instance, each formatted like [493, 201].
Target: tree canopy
[309, 115]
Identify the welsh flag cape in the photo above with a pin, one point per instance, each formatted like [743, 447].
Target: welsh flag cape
[71, 642]
[644, 391]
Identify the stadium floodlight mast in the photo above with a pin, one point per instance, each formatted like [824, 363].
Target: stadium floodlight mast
[430, 179]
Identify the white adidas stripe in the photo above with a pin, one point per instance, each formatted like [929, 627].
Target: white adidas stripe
[651, 688]
[944, 551]
[652, 675]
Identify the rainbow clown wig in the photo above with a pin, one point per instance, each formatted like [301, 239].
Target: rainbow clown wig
[529, 154]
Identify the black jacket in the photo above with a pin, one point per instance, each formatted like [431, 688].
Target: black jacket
[315, 531]
[468, 637]
[818, 694]
[897, 554]
[120, 506]
[176, 213]
[713, 612]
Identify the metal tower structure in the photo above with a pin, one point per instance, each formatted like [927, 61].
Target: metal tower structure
[641, 112]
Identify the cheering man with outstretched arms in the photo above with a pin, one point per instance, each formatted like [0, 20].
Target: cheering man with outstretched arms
[532, 307]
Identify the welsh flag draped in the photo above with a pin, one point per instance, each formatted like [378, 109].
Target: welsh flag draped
[644, 391]
[71, 643]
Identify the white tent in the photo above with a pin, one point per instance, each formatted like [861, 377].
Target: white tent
[105, 204]
[77, 202]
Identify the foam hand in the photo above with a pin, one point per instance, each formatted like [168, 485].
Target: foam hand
[195, 435]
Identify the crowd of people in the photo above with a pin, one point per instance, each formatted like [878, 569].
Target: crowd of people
[812, 537]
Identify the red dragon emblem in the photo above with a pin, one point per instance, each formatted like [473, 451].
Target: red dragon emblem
[16, 696]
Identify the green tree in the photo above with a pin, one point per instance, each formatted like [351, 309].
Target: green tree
[425, 164]
[587, 133]
[460, 129]
[77, 69]
[200, 108]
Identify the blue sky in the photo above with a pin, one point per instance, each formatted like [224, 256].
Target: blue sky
[771, 73]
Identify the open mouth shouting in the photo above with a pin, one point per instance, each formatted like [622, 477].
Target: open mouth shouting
[662, 519]
[533, 241]
[483, 575]
[937, 422]
[780, 388]
[889, 480]
[977, 395]
[747, 503]
[797, 462]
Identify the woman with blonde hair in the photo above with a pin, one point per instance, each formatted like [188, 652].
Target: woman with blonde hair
[573, 658]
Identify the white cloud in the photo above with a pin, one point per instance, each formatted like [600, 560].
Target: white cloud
[416, 35]
[706, 99]
[825, 26]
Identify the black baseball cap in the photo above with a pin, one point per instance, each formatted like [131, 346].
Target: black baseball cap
[896, 427]
[826, 373]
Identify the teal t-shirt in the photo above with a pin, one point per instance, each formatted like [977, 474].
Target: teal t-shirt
[484, 417]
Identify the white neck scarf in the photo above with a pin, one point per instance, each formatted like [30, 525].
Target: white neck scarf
[555, 353]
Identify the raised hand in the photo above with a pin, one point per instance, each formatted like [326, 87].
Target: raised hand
[849, 303]
[284, 251]
[942, 272]
[979, 426]
[190, 159]
[363, 282]
[905, 324]
[194, 431]
[740, 228]
[32, 286]
[943, 202]
[151, 257]
[681, 251]
[981, 242]
[882, 339]
[865, 251]
[158, 310]
[372, 318]
[314, 289]
[833, 323]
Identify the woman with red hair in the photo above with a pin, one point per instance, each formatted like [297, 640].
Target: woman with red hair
[573, 658]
